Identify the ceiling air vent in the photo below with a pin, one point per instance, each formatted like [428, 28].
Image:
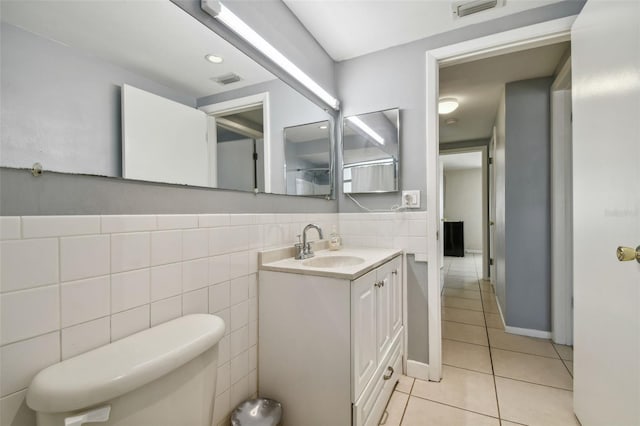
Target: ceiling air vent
[465, 8]
[227, 78]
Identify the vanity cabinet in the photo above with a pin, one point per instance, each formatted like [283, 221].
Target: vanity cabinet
[330, 349]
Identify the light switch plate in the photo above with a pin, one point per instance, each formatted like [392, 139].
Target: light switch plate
[411, 199]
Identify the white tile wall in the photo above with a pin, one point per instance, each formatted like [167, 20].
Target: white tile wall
[84, 257]
[403, 230]
[130, 251]
[28, 263]
[86, 336]
[85, 300]
[70, 284]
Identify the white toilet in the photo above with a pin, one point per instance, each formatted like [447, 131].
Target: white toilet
[162, 376]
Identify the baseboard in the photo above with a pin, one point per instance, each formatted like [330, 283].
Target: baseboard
[530, 332]
[418, 370]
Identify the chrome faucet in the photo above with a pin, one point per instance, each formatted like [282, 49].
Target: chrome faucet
[303, 250]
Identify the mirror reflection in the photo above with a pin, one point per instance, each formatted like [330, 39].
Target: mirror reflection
[371, 149]
[307, 156]
[140, 90]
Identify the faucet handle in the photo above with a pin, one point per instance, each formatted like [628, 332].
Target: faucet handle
[299, 249]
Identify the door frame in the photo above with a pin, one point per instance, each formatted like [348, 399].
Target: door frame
[239, 104]
[561, 208]
[484, 154]
[518, 39]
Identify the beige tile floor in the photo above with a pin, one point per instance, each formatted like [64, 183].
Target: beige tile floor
[490, 377]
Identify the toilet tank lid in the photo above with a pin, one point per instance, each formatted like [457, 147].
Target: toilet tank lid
[110, 371]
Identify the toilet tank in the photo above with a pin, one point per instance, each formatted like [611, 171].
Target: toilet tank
[164, 375]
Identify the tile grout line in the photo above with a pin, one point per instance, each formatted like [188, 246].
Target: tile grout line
[563, 363]
[493, 372]
[455, 406]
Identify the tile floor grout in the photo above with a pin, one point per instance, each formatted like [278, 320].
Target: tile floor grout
[484, 299]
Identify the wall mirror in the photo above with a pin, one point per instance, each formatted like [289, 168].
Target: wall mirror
[140, 90]
[308, 168]
[371, 152]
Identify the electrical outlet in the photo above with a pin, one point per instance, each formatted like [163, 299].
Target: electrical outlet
[411, 199]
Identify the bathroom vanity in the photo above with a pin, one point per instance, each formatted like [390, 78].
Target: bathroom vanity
[331, 334]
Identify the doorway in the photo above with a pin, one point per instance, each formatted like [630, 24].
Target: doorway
[491, 46]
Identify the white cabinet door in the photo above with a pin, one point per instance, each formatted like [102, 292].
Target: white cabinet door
[363, 331]
[605, 52]
[384, 285]
[396, 297]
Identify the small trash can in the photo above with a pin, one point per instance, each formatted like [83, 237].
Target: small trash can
[257, 412]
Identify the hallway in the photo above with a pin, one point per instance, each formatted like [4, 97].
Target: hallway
[489, 377]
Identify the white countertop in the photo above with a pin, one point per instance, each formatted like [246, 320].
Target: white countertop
[281, 260]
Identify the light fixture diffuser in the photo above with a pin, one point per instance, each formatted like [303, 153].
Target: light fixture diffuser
[447, 105]
[237, 25]
[368, 130]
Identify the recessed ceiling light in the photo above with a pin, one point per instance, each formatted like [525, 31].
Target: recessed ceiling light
[450, 121]
[447, 105]
[214, 59]
[324, 126]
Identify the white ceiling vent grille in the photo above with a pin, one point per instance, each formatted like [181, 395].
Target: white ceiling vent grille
[466, 8]
[227, 78]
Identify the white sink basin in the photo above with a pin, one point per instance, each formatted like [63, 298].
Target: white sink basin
[333, 261]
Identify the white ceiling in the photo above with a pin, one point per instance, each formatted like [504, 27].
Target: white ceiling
[350, 28]
[461, 161]
[152, 38]
[478, 86]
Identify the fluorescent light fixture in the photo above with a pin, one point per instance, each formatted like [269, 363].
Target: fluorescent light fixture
[214, 59]
[228, 18]
[447, 105]
[368, 130]
[324, 126]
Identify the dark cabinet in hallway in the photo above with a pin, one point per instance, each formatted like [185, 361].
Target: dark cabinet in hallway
[454, 238]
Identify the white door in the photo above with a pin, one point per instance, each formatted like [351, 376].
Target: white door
[163, 140]
[606, 154]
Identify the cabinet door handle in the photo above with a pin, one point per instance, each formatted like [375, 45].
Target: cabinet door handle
[385, 377]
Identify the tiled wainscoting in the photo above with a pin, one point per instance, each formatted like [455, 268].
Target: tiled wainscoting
[406, 230]
[73, 283]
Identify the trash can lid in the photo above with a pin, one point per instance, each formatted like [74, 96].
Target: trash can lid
[257, 412]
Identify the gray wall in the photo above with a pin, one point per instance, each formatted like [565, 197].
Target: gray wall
[417, 314]
[61, 107]
[69, 194]
[395, 77]
[527, 204]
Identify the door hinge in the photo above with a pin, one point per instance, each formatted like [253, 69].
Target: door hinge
[490, 262]
[437, 235]
[255, 155]
[490, 160]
